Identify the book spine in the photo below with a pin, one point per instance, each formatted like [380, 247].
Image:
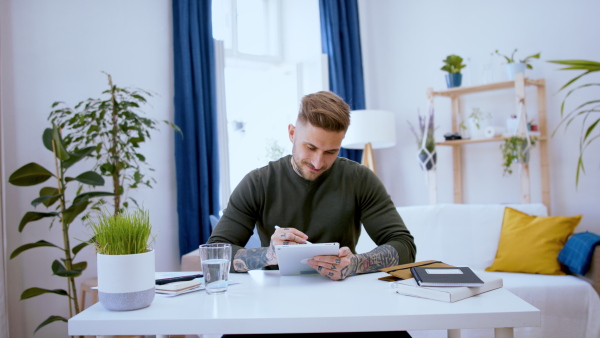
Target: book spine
[416, 275]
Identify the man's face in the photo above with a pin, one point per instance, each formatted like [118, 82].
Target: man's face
[314, 149]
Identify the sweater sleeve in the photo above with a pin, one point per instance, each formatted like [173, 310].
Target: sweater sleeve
[236, 226]
[381, 219]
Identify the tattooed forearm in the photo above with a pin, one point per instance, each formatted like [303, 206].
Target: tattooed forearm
[255, 258]
[381, 257]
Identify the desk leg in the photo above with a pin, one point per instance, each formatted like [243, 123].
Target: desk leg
[503, 332]
[454, 333]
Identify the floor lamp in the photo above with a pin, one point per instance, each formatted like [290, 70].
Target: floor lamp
[370, 129]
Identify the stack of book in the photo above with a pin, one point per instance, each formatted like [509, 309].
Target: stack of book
[446, 284]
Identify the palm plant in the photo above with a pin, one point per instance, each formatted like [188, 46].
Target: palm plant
[586, 112]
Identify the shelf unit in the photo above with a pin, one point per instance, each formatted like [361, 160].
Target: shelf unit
[519, 84]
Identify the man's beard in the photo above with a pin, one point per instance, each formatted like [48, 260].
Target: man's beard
[302, 171]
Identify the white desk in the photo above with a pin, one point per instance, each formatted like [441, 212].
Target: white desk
[265, 302]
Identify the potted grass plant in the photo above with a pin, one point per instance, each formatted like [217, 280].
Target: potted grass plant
[126, 262]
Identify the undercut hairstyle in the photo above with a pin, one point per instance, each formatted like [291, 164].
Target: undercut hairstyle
[325, 110]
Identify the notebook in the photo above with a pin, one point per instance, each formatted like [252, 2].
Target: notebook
[293, 259]
[455, 276]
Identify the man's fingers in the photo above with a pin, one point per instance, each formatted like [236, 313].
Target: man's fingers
[283, 235]
[331, 271]
[344, 251]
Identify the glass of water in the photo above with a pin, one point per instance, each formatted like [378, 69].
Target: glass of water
[215, 259]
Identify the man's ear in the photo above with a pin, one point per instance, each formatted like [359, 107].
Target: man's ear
[291, 132]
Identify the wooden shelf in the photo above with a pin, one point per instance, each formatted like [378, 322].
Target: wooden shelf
[519, 85]
[456, 143]
[458, 91]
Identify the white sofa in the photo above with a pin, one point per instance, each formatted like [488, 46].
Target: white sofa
[468, 235]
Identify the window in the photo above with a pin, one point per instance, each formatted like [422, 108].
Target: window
[262, 84]
[249, 29]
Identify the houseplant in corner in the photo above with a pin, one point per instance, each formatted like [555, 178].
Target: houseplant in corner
[453, 65]
[126, 263]
[514, 66]
[64, 210]
[586, 111]
[114, 127]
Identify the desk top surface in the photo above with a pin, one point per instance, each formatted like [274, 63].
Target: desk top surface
[266, 302]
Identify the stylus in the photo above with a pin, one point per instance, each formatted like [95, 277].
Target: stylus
[162, 281]
[277, 227]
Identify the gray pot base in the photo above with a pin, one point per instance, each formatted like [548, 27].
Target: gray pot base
[126, 301]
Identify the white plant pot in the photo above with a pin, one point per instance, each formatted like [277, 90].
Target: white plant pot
[126, 282]
[477, 128]
[513, 68]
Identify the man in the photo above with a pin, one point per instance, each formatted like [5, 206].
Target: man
[315, 195]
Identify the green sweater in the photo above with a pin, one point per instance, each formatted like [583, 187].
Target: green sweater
[329, 209]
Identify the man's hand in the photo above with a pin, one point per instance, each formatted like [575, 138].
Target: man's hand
[288, 236]
[336, 267]
[348, 264]
[257, 258]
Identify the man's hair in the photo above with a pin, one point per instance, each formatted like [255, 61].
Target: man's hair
[325, 110]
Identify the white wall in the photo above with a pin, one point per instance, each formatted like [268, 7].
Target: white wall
[404, 43]
[57, 50]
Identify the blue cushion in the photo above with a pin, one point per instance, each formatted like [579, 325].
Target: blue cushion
[577, 252]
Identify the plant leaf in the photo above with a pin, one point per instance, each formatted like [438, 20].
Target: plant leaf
[59, 270]
[49, 191]
[25, 247]
[76, 156]
[87, 195]
[79, 266]
[29, 174]
[31, 216]
[47, 138]
[79, 247]
[73, 211]
[90, 178]
[47, 200]
[61, 152]
[34, 292]
[49, 320]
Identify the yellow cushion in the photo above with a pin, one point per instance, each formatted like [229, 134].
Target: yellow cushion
[531, 244]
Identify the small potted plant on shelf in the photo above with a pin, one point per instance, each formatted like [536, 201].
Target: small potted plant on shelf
[453, 65]
[515, 150]
[514, 66]
[126, 263]
[478, 120]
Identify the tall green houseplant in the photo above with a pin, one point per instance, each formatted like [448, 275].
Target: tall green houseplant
[115, 128]
[62, 210]
[586, 112]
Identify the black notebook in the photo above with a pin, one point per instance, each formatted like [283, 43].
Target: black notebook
[455, 276]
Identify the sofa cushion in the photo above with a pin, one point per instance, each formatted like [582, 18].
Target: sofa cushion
[531, 244]
[577, 253]
[457, 234]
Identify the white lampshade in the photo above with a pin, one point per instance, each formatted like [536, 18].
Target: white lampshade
[377, 127]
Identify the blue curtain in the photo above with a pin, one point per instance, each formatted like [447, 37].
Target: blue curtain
[196, 153]
[340, 40]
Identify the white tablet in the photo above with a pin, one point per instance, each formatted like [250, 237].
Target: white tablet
[293, 259]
